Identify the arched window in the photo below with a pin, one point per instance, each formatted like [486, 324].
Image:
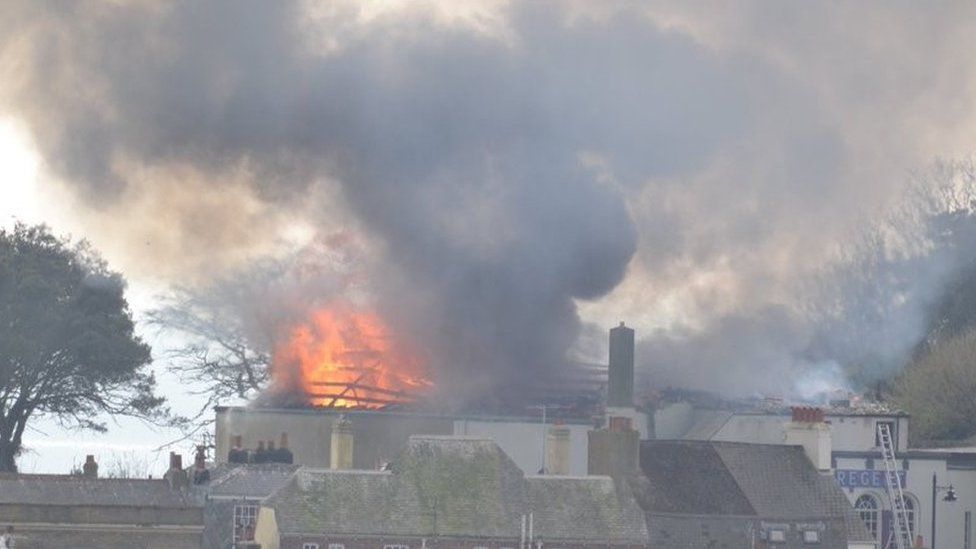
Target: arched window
[910, 506]
[867, 508]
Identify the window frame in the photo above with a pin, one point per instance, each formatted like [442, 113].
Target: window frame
[244, 511]
[869, 515]
[810, 532]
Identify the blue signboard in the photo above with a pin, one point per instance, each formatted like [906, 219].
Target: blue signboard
[866, 478]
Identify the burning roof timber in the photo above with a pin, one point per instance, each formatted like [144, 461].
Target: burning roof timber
[348, 359]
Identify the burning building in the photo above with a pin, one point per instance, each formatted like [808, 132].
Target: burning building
[348, 395]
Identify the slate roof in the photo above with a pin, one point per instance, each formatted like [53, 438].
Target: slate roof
[690, 478]
[585, 509]
[771, 482]
[76, 490]
[455, 487]
[708, 425]
[248, 480]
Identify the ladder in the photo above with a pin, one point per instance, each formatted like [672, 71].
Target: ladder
[896, 496]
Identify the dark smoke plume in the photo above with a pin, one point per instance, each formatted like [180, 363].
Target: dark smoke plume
[505, 161]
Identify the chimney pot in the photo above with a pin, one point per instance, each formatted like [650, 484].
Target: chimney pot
[175, 461]
[284, 440]
[618, 424]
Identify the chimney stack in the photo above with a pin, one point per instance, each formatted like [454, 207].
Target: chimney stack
[237, 453]
[200, 473]
[284, 453]
[620, 392]
[90, 468]
[341, 444]
[557, 450]
[808, 428]
[614, 451]
[176, 476]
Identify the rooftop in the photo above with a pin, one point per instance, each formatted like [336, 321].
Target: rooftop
[78, 490]
[455, 486]
[728, 479]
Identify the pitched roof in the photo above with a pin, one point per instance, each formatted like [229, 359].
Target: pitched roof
[78, 490]
[455, 486]
[585, 509]
[248, 480]
[771, 482]
[689, 477]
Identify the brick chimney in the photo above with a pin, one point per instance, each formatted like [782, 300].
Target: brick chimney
[284, 451]
[557, 450]
[175, 475]
[237, 453]
[809, 428]
[90, 468]
[341, 449]
[620, 389]
[200, 473]
[614, 451]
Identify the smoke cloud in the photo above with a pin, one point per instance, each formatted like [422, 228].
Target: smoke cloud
[509, 164]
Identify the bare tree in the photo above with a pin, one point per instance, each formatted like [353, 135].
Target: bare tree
[215, 356]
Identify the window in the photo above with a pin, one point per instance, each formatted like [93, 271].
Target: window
[891, 429]
[310, 546]
[396, 547]
[777, 535]
[910, 507]
[245, 519]
[811, 536]
[867, 508]
[336, 546]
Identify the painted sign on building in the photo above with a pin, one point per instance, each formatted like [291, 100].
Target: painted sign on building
[866, 478]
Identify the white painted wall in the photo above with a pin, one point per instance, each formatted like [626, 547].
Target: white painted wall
[854, 433]
[523, 441]
[950, 517]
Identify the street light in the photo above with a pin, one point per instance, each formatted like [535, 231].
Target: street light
[950, 497]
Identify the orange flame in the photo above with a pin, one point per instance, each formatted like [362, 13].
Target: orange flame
[344, 357]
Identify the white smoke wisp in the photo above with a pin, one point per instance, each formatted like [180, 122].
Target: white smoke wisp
[821, 382]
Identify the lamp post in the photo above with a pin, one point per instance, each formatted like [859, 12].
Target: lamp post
[950, 497]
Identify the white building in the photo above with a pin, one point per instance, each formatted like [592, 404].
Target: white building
[855, 462]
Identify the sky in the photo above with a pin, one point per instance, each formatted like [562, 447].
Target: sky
[518, 176]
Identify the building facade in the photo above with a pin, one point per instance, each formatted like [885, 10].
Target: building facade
[53, 511]
[856, 464]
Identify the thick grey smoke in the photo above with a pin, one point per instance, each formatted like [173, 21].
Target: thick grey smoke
[505, 161]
